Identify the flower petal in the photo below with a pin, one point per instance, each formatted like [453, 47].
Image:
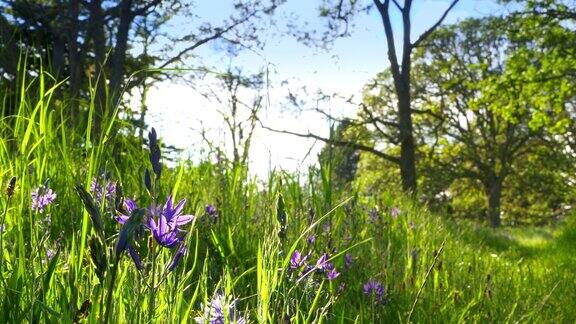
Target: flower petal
[121, 218]
[178, 209]
[162, 226]
[152, 224]
[169, 204]
[183, 219]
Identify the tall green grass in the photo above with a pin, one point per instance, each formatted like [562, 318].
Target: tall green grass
[433, 269]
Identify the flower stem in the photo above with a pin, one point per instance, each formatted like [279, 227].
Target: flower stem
[110, 291]
[2, 239]
[152, 288]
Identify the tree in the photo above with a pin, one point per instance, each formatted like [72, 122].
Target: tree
[239, 108]
[339, 14]
[92, 41]
[342, 160]
[479, 115]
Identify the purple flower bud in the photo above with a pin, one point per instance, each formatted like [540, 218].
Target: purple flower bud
[128, 229]
[395, 212]
[374, 215]
[332, 274]
[329, 266]
[297, 260]
[177, 257]
[311, 239]
[123, 240]
[152, 138]
[348, 259]
[135, 257]
[11, 187]
[211, 211]
[147, 180]
[154, 152]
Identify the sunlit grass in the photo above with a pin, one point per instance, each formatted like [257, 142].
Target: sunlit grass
[480, 275]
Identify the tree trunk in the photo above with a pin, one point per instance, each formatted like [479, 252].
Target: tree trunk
[57, 59]
[407, 150]
[73, 58]
[118, 58]
[99, 45]
[494, 195]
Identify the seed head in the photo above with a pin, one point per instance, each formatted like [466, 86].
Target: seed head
[11, 187]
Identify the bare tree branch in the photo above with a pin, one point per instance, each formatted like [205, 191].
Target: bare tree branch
[354, 145]
[203, 41]
[433, 28]
[397, 5]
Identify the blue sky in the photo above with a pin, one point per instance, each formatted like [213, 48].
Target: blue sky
[178, 111]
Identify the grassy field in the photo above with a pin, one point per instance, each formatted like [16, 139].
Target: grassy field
[388, 259]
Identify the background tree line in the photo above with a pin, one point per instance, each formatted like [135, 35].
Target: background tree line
[493, 111]
[113, 47]
[476, 117]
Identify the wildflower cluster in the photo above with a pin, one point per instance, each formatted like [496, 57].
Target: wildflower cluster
[220, 310]
[164, 222]
[42, 197]
[375, 289]
[101, 190]
[299, 262]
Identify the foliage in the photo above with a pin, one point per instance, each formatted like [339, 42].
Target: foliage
[49, 264]
[488, 121]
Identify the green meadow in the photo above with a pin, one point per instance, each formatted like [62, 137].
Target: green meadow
[63, 264]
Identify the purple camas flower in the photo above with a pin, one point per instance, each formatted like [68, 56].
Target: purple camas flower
[332, 274]
[322, 262]
[50, 254]
[395, 212]
[102, 192]
[169, 218]
[41, 198]
[216, 310]
[162, 221]
[297, 260]
[311, 239]
[211, 211]
[348, 259]
[129, 206]
[375, 289]
[329, 266]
